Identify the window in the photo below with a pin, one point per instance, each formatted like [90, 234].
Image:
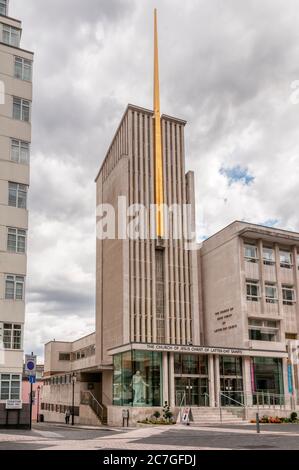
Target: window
[285, 259]
[252, 290]
[10, 386]
[17, 195]
[271, 293]
[64, 357]
[11, 36]
[250, 253]
[3, 7]
[14, 287]
[263, 330]
[12, 336]
[20, 151]
[230, 366]
[190, 364]
[16, 240]
[23, 69]
[21, 109]
[288, 295]
[268, 256]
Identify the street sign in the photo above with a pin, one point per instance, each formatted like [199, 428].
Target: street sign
[13, 404]
[30, 364]
[32, 379]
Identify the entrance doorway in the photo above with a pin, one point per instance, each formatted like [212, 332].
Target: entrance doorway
[192, 391]
[231, 381]
[232, 391]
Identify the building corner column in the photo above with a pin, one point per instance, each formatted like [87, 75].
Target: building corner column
[247, 387]
[217, 381]
[211, 381]
[171, 380]
[165, 394]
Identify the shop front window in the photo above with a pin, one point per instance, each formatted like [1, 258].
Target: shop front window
[137, 379]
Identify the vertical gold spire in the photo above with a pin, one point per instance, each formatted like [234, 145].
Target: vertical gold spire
[158, 138]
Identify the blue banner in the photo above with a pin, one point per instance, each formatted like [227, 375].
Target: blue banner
[290, 378]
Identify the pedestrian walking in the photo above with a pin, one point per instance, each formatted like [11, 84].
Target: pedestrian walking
[67, 416]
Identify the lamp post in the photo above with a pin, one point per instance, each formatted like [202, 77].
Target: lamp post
[73, 397]
[37, 410]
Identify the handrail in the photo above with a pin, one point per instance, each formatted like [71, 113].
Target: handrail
[179, 419]
[231, 399]
[97, 407]
[207, 396]
[221, 394]
[183, 399]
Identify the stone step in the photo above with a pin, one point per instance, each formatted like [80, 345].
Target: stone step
[211, 416]
[208, 415]
[215, 423]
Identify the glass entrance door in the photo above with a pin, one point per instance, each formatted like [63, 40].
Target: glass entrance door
[232, 391]
[192, 391]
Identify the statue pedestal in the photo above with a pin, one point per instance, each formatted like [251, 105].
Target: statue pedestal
[139, 403]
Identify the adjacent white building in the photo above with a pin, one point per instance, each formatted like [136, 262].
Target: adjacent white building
[15, 138]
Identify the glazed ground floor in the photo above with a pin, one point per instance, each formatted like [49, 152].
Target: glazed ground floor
[142, 380]
[150, 378]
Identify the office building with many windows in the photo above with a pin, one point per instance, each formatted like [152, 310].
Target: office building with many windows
[15, 137]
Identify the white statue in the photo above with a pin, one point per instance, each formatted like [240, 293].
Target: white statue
[139, 387]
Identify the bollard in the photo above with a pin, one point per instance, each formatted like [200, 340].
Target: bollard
[257, 423]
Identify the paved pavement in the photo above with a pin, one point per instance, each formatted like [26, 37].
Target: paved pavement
[58, 437]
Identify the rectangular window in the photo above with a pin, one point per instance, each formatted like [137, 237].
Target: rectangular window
[17, 195]
[288, 295]
[21, 109]
[20, 151]
[271, 293]
[252, 290]
[23, 69]
[263, 330]
[16, 240]
[10, 386]
[14, 287]
[64, 357]
[3, 7]
[11, 36]
[285, 259]
[250, 253]
[12, 336]
[268, 256]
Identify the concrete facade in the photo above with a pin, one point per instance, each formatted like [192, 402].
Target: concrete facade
[126, 269]
[230, 319]
[15, 138]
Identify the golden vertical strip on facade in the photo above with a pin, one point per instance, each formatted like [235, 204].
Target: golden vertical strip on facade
[158, 138]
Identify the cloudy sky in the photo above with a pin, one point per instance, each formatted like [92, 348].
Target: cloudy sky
[226, 66]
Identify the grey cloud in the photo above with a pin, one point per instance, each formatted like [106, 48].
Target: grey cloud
[62, 300]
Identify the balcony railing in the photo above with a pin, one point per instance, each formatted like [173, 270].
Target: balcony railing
[260, 399]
